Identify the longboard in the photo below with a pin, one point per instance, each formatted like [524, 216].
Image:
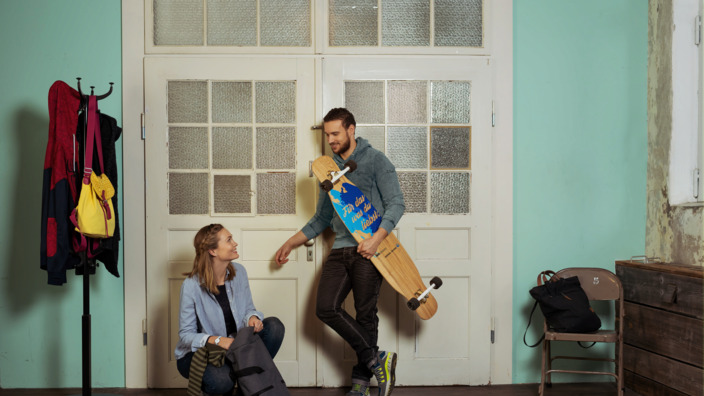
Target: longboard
[362, 220]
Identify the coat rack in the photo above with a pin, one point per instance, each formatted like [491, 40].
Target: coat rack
[86, 268]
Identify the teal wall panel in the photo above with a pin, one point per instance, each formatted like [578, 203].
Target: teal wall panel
[40, 337]
[580, 146]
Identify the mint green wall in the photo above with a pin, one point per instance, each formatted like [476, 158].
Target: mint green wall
[580, 145]
[40, 325]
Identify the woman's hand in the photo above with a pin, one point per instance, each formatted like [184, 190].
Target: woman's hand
[225, 342]
[256, 323]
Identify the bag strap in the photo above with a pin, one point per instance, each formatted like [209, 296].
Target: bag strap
[93, 126]
[546, 276]
[530, 318]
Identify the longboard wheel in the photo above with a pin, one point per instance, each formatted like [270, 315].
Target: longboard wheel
[326, 185]
[352, 165]
[436, 282]
[413, 304]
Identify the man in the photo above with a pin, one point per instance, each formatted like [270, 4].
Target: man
[348, 267]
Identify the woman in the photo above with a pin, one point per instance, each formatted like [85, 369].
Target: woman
[215, 302]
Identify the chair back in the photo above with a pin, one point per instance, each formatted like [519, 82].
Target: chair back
[598, 283]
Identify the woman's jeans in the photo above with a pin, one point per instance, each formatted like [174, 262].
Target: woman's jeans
[219, 380]
[346, 270]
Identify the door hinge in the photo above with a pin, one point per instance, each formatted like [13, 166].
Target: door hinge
[144, 131]
[493, 330]
[697, 30]
[695, 183]
[493, 114]
[144, 332]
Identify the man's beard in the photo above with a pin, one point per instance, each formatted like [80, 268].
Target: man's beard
[342, 147]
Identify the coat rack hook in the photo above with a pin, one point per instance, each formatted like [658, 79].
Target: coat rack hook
[105, 95]
[79, 86]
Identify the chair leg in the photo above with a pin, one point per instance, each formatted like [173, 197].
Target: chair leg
[548, 363]
[545, 348]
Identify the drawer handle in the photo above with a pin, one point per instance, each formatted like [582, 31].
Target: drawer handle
[670, 293]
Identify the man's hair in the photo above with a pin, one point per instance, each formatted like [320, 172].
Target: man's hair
[342, 114]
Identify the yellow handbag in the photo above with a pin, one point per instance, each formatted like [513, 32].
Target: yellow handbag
[95, 214]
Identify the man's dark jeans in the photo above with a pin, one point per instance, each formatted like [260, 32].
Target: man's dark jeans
[346, 270]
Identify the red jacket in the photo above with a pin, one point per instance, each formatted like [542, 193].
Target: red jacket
[59, 186]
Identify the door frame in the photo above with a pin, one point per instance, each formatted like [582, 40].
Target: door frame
[134, 238]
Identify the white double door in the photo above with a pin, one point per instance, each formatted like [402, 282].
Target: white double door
[250, 172]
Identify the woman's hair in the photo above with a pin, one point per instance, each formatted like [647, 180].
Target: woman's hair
[206, 239]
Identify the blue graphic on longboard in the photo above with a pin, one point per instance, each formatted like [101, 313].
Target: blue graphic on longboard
[355, 210]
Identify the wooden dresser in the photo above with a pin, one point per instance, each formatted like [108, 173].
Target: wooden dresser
[663, 328]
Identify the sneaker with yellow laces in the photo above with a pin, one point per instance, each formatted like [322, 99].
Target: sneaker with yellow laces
[385, 372]
[358, 390]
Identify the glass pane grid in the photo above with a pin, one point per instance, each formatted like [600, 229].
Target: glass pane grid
[276, 193]
[178, 22]
[413, 141]
[458, 23]
[232, 23]
[232, 194]
[353, 23]
[405, 23]
[285, 23]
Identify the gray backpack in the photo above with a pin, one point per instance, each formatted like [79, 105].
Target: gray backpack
[253, 367]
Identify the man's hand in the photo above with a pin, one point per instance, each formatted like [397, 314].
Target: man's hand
[282, 254]
[367, 248]
[295, 241]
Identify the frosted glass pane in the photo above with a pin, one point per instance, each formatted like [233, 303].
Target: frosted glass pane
[232, 102]
[188, 148]
[374, 135]
[450, 148]
[276, 148]
[408, 147]
[232, 148]
[414, 186]
[232, 194]
[408, 103]
[188, 193]
[353, 23]
[405, 23]
[232, 22]
[450, 102]
[365, 99]
[188, 101]
[276, 102]
[449, 192]
[285, 23]
[458, 23]
[178, 22]
[276, 193]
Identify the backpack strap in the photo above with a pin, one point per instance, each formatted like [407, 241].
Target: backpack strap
[530, 318]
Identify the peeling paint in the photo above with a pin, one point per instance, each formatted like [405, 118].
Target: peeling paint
[675, 234]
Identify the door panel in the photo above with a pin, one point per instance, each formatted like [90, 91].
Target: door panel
[432, 117]
[228, 142]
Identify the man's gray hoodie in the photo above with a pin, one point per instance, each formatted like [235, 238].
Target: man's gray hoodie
[376, 177]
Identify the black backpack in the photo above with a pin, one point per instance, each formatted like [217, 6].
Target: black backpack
[253, 367]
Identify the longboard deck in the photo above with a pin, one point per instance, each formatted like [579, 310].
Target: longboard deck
[362, 220]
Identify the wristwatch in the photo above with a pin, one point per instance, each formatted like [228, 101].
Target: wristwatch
[217, 340]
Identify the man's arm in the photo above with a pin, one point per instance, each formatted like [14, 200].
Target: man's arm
[317, 224]
[392, 198]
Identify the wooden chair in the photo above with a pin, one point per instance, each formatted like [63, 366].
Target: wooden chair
[598, 284]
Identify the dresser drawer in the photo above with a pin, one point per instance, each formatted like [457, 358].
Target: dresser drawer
[673, 292]
[665, 333]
